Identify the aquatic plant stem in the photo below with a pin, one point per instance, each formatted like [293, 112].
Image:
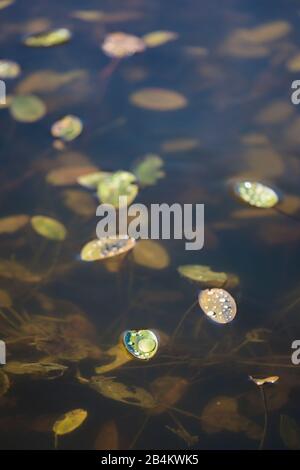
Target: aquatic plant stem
[183, 318]
[263, 394]
[139, 433]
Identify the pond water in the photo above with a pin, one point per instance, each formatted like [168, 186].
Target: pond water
[232, 64]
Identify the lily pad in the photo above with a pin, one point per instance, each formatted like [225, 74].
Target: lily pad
[92, 180]
[158, 99]
[119, 356]
[48, 38]
[79, 202]
[142, 344]
[203, 274]
[158, 38]
[108, 247]
[256, 194]
[120, 183]
[149, 170]
[151, 254]
[48, 227]
[13, 223]
[69, 422]
[27, 108]
[267, 380]
[9, 69]
[68, 175]
[218, 305]
[121, 45]
[67, 128]
[6, 3]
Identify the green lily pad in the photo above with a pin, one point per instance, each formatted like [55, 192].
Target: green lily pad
[48, 38]
[256, 194]
[67, 128]
[27, 108]
[120, 183]
[92, 180]
[48, 227]
[9, 69]
[149, 170]
[203, 274]
[107, 247]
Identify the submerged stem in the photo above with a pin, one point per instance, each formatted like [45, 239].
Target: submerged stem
[262, 442]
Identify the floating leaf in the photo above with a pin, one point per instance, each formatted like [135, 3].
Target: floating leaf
[27, 108]
[79, 202]
[151, 254]
[158, 99]
[108, 437]
[48, 227]
[106, 247]
[69, 422]
[67, 128]
[119, 356]
[48, 38]
[179, 145]
[293, 65]
[9, 69]
[4, 383]
[167, 391]
[130, 395]
[142, 344]
[158, 38]
[203, 274]
[268, 380]
[256, 194]
[149, 170]
[120, 183]
[222, 414]
[5, 299]
[47, 81]
[68, 175]
[6, 3]
[37, 370]
[92, 180]
[290, 432]
[13, 223]
[121, 45]
[218, 305]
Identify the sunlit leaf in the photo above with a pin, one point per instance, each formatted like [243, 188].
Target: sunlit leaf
[158, 38]
[120, 183]
[13, 223]
[37, 370]
[158, 99]
[9, 69]
[48, 38]
[108, 437]
[92, 180]
[68, 175]
[48, 227]
[149, 170]
[6, 3]
[222, 414]
[5, 299]
[106, 247]
[203, 274]
[69, 422]
[142, 344]
[256, 194]
[290, 432]
[119, 356]
[121, 45]
[268, 380]
[218, 305]
[4, 383]
[118, 391]
[167, 391]
[67, 128]
[79, 202]
[151, 254]
[27, 108]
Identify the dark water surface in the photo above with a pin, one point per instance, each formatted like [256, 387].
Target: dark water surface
[239, 122]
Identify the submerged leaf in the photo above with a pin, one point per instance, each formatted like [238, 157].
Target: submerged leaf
[167, 391]
[119, 356]
[13, 223]
[151, 254]
[79, 202]
[5, 299]
[158, 38]
[268, 380]
[68, 175]
[218, 305]
[290, 432]
[4, 383]
[158, 99]
[130, 395]
[27, 108]
[106, 247]
[92, 180]
[38, 370]
[108, 437]
[48, 227]
[9, 69]
[11, 269]
[203, 274]
[67, 128]
[48, 38]
[120, 183]
[149, 170]
[47, 80]
[121, 45]
[69, 422]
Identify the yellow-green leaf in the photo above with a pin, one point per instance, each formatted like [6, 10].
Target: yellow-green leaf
[48, 38]
[48, 227]
[69, 422]
[27, 108]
